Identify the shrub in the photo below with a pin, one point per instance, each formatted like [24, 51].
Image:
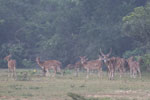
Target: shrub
[145, 64]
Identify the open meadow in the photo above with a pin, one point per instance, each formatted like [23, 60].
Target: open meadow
[30, 85]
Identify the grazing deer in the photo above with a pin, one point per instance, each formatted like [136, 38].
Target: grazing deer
[134, 67]
[93, 64]
[49, 64]
[11, 66]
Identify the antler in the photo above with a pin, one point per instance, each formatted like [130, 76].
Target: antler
[109, 52]
[102, 52]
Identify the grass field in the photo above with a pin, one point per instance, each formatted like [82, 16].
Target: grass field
[36, 87]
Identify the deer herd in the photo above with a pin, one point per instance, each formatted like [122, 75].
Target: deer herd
[114, 64]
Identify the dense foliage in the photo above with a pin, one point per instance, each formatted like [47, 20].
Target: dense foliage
[67, 29]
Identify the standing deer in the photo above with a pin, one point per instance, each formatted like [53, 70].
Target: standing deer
[134, 67]
[49, 64]
[109, 62]
[113, 64]
[11, 66]
[93, 64]
[76, 67]
[119, 65]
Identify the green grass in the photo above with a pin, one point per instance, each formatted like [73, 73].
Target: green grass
[49, 88]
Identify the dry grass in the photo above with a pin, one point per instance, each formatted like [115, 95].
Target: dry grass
[41, 88]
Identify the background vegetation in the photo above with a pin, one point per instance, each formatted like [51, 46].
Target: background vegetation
[67, 29]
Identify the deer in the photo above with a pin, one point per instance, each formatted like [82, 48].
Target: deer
[11, 66]
[70, 66]
[113, 64]
[93, 64]
[109, 63]
[55, 65]
[76, 67]
[134, 67]
[119, 65]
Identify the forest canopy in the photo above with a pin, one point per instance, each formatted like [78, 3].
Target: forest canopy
[66, 29]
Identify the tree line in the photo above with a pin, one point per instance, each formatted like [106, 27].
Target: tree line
[66, 29]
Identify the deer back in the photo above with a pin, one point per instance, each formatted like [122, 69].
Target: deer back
[51, 63]
[93, 64]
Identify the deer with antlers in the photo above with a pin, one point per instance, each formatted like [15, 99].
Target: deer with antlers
[49, 64]
[134, 67]
[11, 66]
[91, 65]
[113, 64]
[109, 62]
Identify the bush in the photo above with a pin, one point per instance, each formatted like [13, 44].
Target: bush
[145, 64]
[134, 52]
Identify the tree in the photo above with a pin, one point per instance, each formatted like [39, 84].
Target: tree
[137, 24]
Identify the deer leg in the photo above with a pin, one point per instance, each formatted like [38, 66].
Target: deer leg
[76, 72]
[47, 73]
[9, 72]
[14, 73]
[44, 72]
[139, 72]
[120, 70]
[59, 70]
[134, 73]
[131, 72]
[112, 74]
[87, 74]
[54, 72]
[100, 73]
[108, 72]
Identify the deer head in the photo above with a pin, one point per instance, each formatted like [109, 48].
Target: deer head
[83, 59]
[105, 56]
[38, 62]
[7, 57]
